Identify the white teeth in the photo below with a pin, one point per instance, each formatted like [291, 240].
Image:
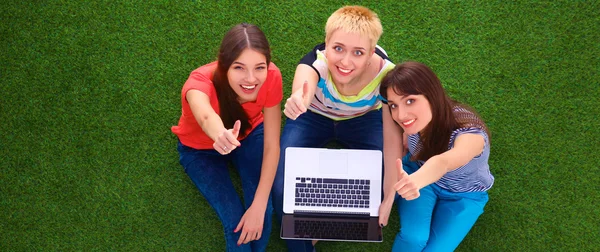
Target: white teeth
[408, 122]
[248, 87]
[344, 70]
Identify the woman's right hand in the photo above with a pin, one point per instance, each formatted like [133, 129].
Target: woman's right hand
[294, 106]
[227, 141]
[251, 225]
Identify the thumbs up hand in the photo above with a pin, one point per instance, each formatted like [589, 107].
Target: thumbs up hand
[227, 140]
[405, 187]
[294, 106]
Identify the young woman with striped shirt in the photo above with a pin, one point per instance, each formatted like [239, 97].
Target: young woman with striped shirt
[443, 180]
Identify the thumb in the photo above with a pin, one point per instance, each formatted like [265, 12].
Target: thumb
[236, 128]
[305, 89]
[401, 172]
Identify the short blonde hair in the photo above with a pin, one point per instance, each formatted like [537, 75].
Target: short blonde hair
[355, 19]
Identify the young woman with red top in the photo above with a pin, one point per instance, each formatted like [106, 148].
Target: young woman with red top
[231, 113]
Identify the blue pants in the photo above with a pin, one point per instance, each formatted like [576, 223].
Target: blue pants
[439, 219]
[313, 130]
[208, 170]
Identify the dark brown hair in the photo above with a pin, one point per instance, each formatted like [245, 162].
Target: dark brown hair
[235, 41]
[414, 78]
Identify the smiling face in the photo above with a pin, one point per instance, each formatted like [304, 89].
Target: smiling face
[247, 74]
[411, 112]
[347, 56]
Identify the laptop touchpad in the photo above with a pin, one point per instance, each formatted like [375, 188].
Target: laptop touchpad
[333, 163]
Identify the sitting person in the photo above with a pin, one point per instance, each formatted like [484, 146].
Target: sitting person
[231, 112]
[443, 180]
[335, 95]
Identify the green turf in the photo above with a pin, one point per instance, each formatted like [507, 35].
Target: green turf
[89, 91]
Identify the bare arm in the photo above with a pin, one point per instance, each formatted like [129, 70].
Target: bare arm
[308, 74]
[207, 118]
[303, 90]
[392, 150]
[251, 223]
[211, 123]
[466, 147]
[272, 128]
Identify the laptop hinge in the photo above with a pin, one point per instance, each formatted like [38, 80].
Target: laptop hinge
[332, 213]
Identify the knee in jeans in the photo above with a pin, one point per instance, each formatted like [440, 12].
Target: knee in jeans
[415, 239]
[230, 221]
[229, 227]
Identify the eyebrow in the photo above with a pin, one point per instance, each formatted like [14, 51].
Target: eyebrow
[403, 97]
[399, 99]
[338, 43]
[236, 62]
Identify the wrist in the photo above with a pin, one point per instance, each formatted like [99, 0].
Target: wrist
[417, 180]
[259, 203]
[389, 198]
[258, 206]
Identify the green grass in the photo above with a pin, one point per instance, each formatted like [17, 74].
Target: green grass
[89, 91]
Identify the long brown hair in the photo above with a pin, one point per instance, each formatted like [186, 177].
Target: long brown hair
[414, 78]
[236, 40]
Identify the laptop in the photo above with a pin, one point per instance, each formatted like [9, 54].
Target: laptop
[332, 194]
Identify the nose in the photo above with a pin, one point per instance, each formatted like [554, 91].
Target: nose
[346, 59]
[251, 77]
[401, 114]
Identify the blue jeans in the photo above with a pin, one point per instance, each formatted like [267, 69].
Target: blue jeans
[209, 172]
[439, 219]
[314, 130]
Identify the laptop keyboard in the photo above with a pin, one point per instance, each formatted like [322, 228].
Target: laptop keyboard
[329, 192]
[331, 230]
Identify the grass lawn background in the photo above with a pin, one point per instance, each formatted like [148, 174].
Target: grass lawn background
[89, 91]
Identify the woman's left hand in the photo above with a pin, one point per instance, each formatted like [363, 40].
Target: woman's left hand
[251, 225]
[406, 186]
[384, 211]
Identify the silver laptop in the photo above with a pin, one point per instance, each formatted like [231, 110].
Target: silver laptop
[332, 194]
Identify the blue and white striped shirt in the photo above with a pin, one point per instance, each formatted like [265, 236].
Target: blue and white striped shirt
[475, 176]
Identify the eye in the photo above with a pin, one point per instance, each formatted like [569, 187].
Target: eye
[393, 106]
[238, 67]
[358, 53]
[337, 48]
[261, 68]
[410, 101]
